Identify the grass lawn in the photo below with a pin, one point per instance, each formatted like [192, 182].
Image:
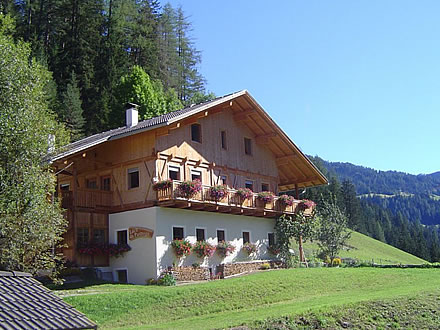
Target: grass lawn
[366, 248]
[244, 300]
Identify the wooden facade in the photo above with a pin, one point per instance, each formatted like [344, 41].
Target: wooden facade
[236, 144]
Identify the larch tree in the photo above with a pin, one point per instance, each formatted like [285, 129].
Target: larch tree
[31, 220]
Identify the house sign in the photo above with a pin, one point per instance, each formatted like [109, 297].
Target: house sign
[139, 232]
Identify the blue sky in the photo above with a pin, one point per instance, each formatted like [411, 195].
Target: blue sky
[351, 81]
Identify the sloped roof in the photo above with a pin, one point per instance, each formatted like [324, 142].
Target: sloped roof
[295, 169]
[142, 126]
[26, 304]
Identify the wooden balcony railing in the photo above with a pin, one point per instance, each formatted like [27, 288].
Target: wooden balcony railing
[87, 198]
[232, 199]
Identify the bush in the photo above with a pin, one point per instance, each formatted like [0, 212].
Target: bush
[225, 248]
[274, 250]
[181, 247]
[265, 266]
[203, 249]
[167, 280]
[249, 248]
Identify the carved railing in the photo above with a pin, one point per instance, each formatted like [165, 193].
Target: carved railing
[232, 199]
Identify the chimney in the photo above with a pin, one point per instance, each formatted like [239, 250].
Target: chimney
[131, 114]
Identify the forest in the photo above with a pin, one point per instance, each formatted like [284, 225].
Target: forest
[105, 53]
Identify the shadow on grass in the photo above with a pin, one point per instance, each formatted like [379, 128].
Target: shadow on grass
[80, 284]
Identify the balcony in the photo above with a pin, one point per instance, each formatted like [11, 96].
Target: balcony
[87, 198]
[232, 203]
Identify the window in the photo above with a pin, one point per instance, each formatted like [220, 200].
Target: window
[249, 184]
[91, 183]
[221, 235]
[133, 178]
[271, 239]
[122, 275]
[82, 236]
[174, 173]
[223, 179]
[64, 187]
[265, 187]
[121, 237]
[196, 133]
[247, 146]
[196, 175]
[246, 237]
[105, 183]
[223, 138]
[200, 234]
[177, 233]
[98, 236]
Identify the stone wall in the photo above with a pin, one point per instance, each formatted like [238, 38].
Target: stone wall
[243, 267]
[190, 273]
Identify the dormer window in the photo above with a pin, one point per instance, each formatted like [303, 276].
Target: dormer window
[196, 133]
[174, 172]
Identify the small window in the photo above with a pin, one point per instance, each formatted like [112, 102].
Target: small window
[174, 173]
[133, 178]
[122, 237]
[200, 234]
[91, 184]
[247, 146]
[249, 184]
[98, 236]
[223, 179]
[177, 233]
[246, 237]
[82, 236]
[223, 137]
[105, 183]
[196, 133]
[271, 239]
[220, 235]
[64, 187]
[196, 175]
[265, 187]
[122, 276]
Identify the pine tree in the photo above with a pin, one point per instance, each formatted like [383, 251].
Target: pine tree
[72, 113]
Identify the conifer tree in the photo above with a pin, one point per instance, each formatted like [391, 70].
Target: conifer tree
[72, 113]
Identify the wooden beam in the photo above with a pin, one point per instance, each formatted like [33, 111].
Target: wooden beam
[299, 181]
[284, 160]
[242, 116]
[264, 139]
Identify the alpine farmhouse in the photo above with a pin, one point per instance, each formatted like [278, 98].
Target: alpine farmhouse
[106, 182]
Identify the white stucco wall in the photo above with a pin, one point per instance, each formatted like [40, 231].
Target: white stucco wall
[140, 262]
[233, 225]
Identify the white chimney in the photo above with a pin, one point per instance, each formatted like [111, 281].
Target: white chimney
[131, 114]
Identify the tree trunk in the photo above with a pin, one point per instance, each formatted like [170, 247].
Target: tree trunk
[301, 251]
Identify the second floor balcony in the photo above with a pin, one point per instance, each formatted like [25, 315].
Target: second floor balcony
[232, 202]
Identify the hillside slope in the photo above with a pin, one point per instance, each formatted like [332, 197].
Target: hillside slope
[365, 248]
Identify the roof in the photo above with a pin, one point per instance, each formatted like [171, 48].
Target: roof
[26, 304]
[142, 126]
[295, 169]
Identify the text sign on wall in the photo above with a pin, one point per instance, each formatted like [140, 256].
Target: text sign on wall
[139, 232]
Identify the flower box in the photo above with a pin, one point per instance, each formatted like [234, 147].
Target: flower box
[249, 248]
[181, 247]
[163, 185]
[265, 200]
[203, 249]
[244, 197]
[188, 189]
[224, 249]
[218, 193]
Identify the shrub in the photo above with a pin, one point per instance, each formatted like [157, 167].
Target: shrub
[151, 281]
[218, 192]
[265, 196]
[195, 265]
[244, 193]
[167, 280]
[274, 250]
[188, 189]
[286, 200]
[249, 248]
[336, 262]
[163, 185]
[265, 266]
[203, 249]
[181, 247]
[225, 248]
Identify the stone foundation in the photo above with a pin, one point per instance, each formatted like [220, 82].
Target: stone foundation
[244, 267]
[190, 273]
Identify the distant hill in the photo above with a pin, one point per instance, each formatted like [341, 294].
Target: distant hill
[417, 197]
